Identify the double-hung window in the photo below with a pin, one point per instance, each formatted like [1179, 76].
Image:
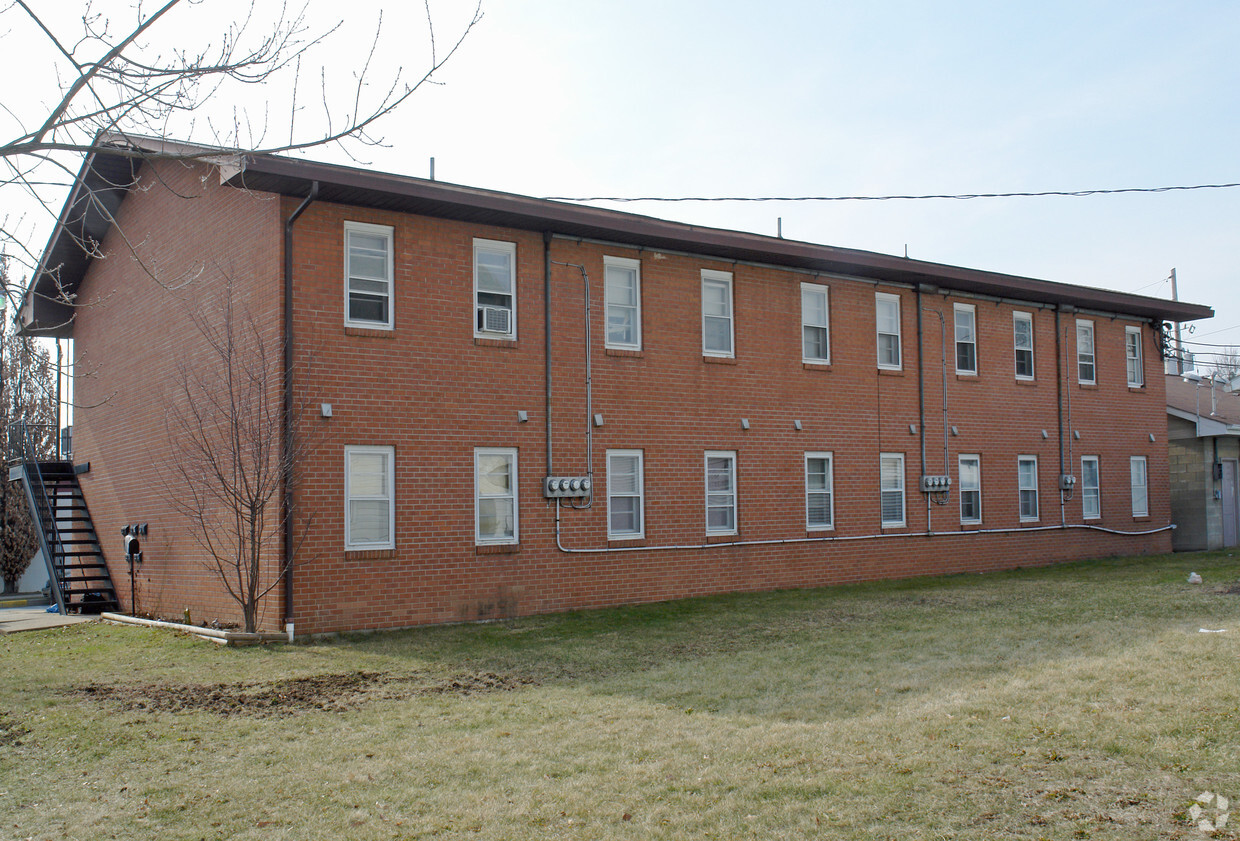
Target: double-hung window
[368, 275]
[495, 289]
[1140, 490]
[1091, 488]
[1027, 486]
[815, 322]
[720, 492]
[887, 313]
[818, 492]
[1132, 356]
[624, 494]
[966, 338]
[622, 292]
[369, 516]
[717, 332]
[1085, 373]
[495, 495]
[970, 471]
[891, 489]
[1022, 339]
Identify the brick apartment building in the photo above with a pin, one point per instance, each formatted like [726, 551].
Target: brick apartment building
[751, 412]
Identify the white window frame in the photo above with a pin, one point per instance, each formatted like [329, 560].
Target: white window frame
[1019, 317]
[511, 454]
[1140, 489]
[1089, 491]
[829, 491]
[508, 249]
[881, 298]
[971, 311]
[640, 496]
[1023, 488]
[1134, 362]
[1081, 356]
[730, 493]
[899, 488]
[388, 234]
[977, 489]
[825, 326]
[711, 277]
[389, 479]
[624, 264]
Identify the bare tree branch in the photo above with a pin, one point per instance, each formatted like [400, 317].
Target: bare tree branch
[229, 468]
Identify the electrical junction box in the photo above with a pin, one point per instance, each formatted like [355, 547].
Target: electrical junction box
[562, 487]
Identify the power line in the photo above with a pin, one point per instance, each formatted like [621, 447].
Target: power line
[958, 196]
[1207, 344]
[1148, 285]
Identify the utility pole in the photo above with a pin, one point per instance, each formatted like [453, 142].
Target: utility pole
[1179, 344]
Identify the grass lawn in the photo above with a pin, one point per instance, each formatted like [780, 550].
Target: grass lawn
[1080, 701]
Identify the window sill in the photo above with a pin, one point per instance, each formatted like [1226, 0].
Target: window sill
[1087, 386]
[497, 548]
[1030, 523]
[891, 372]
[820, 531]
[369, 332]
[626, 541]
[722, 538]
[624, 352]
[369, 554]
[966, 377]
[719, 360]
[1139, 389]
[1026, 381]
[825, 367]
[509, 343]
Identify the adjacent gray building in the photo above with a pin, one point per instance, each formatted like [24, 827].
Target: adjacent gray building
[1203, 448]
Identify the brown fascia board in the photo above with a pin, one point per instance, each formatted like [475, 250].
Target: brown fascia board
[348, 185]
[98, 190]
[108, 173]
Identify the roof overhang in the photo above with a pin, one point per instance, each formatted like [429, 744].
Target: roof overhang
[108, 173]
[1207, 427]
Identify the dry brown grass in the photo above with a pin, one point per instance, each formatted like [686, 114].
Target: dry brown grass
[1073, 702]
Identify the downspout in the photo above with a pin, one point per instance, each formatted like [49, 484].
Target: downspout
[1060, 375]
[547, 344]
[286, 410]
[921, 392]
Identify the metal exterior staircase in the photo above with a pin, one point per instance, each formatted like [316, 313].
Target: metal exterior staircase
[75, 563]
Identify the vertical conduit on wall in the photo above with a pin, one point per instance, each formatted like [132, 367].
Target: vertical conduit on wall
[286, 409]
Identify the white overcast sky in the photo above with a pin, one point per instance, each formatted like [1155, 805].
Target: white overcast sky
[722, 98]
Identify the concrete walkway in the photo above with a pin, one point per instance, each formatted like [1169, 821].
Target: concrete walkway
[34, 618]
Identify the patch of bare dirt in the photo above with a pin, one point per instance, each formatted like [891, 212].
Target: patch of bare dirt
[11, 732]
[1232, 589]
[291, 696]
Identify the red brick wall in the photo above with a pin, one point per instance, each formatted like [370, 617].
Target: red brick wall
[183, 235]
[429, 390]
[432, 392]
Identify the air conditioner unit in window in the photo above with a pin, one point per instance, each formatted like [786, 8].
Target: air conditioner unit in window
[494, 320]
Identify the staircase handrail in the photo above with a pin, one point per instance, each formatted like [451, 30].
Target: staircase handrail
[38, 490]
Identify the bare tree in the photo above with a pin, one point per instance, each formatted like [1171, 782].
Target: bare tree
[28, 397]
[178, 69]
[1227, 363]
[229, 468]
